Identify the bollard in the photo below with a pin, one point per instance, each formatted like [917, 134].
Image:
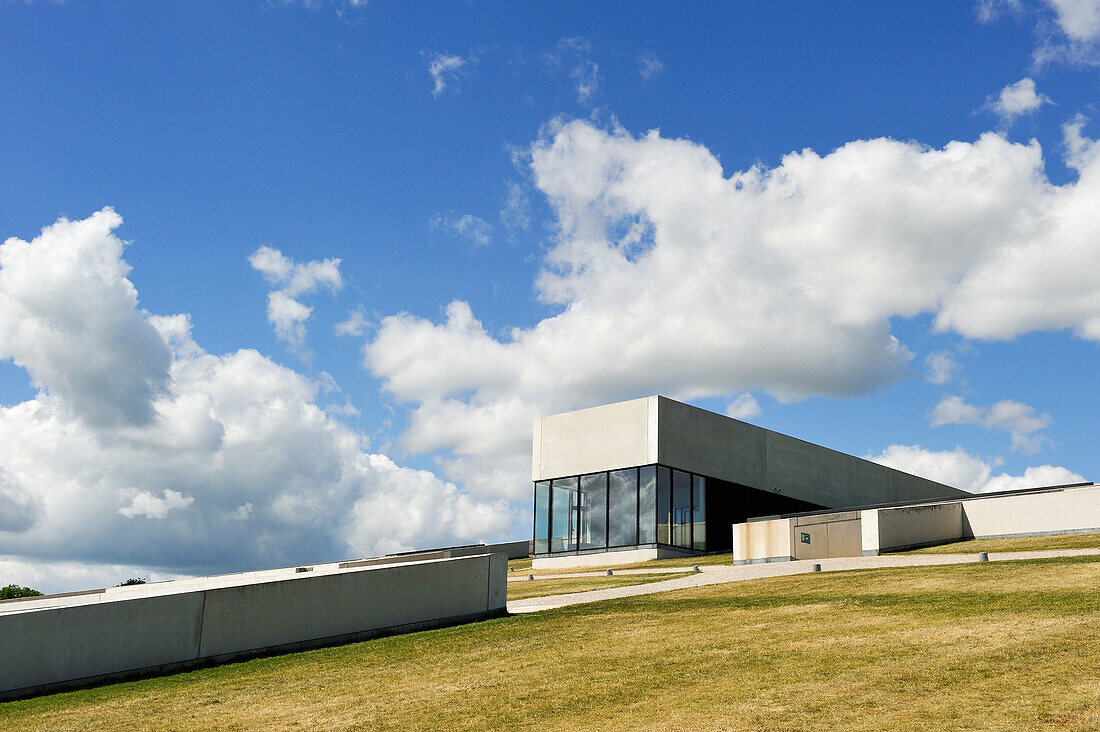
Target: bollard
[511, 569]
[983, 556]
[609, 573]
[696, 568]
[530, 576]
[817, 568]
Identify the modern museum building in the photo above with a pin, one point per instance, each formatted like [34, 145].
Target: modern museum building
[654, 477]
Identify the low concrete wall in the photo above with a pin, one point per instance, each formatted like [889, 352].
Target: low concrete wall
[830, 535]
[124, 631]
[762, 541]
[907, 527]
[1070, 510]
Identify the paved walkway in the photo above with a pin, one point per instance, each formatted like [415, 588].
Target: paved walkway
[723, 573]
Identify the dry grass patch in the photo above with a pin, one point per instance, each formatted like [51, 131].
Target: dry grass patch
[1015, 544]
[523, 589]
[1002, 645]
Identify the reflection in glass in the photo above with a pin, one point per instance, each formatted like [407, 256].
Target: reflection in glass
[622, 528]
[563, 515]
[681, 509]
[542, 517]
[699, 512]
[664, 504]
[593, 511]
[647, 505]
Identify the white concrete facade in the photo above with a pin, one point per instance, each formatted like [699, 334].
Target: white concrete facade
[607, 558]
[81, 638]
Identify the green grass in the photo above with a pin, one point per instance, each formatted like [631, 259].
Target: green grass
[1001, 645]
[1016, 544]
[523, 589]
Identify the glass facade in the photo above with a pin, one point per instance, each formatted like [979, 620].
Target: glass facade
[593, 511]
[622, 514]
[651, 504]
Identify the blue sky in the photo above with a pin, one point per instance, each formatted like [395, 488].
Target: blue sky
[394, 234]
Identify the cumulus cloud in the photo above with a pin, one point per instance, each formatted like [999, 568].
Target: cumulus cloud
[291, 281]
[477, 231]
[669, 275]
[573, 56]
[69, 316]
[967, 472]
[1067, 30]
[237, 465]
[1017, 100]
[1078, 19]
[1016, 418]
[144, 503]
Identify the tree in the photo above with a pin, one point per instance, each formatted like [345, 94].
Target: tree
[12, 591]
[132, 581]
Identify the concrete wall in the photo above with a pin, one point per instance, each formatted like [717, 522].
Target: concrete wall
[762, 541]
[612, 436]
[1070, 510]
[778, 540]
[908, 527]
[75, 640]
[661, 430]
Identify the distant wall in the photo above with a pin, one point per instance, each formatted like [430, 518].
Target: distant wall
[798, 537]
[1066, 511]
[120, 632]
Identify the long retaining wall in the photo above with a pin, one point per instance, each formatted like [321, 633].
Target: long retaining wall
[82, 638]
[870, 531]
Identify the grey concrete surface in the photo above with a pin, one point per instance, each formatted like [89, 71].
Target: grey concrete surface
[722, 574]
[661, 430]
[73, 640]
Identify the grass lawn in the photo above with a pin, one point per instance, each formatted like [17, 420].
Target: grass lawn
[524, 565]
[1001, 645]
[522, 589]
[1017, 544]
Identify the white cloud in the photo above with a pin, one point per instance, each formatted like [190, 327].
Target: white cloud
[1016, 418]
[961, 470]
[942, 366]
[573, 56]
[1078, 19]
[356, 324]
[144, 503]
[230, 439]
[669, 275]
[1017, 100]
[445, 69]
[475, 230]
[743, 406]
[649, 65]
[286, 313]
[69, 316]
[516, 214]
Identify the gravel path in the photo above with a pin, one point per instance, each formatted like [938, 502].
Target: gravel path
[721, 574]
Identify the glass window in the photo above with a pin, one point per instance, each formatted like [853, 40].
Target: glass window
[542, 517]
[622, 528]
[681, 509]
[664, 504]
[563, 515]
[593, 511]
[647, 505]
[699, 512]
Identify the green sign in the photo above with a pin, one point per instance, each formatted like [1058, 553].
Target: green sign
[805, 538]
